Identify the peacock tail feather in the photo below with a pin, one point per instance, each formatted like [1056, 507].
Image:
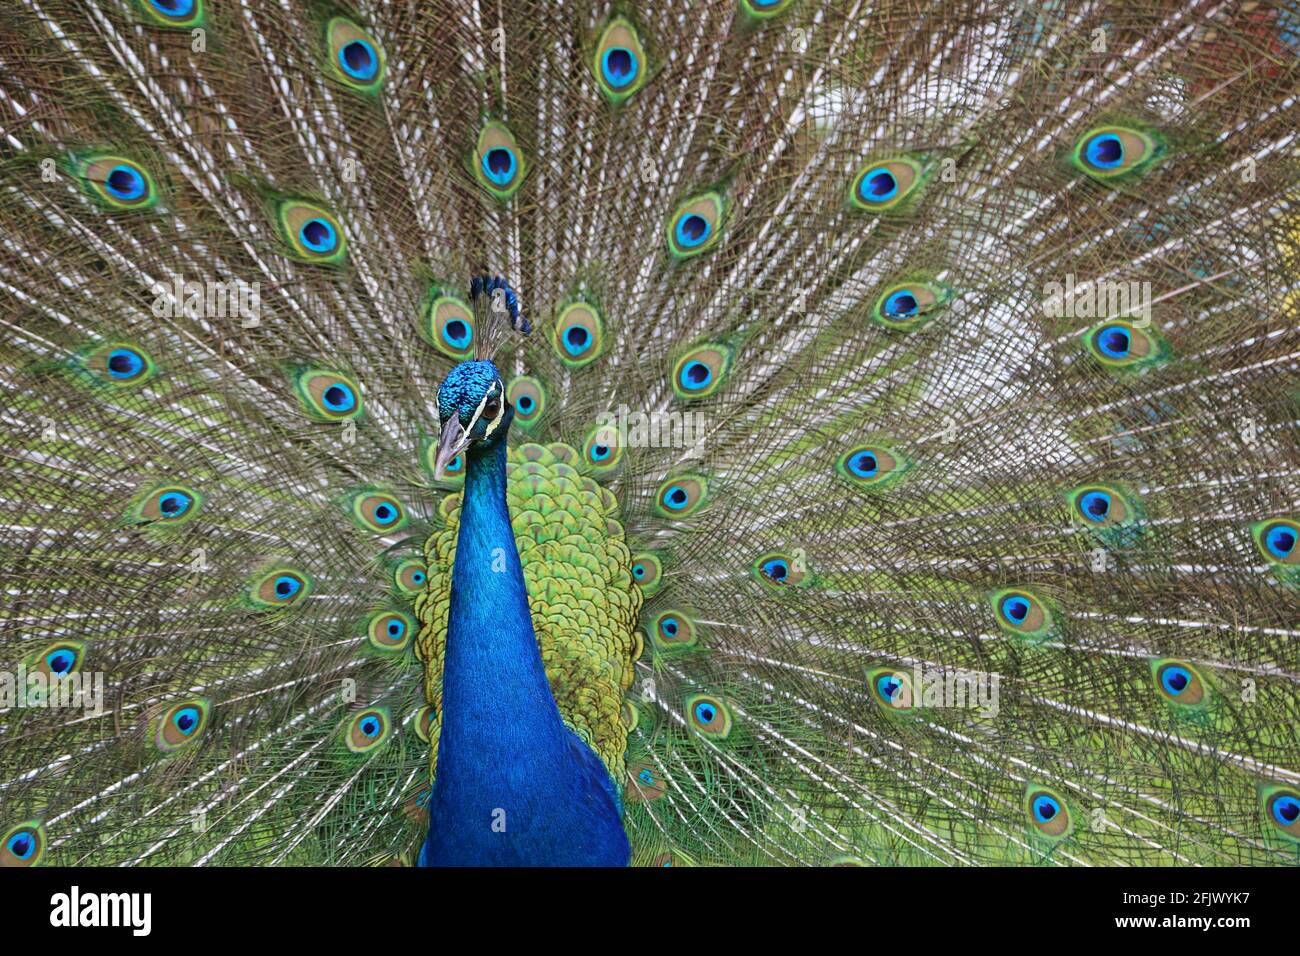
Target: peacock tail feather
[903, 464]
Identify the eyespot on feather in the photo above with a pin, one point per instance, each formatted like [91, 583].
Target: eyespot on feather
[410, 576]
[887, 185]
[377, 511]
[529, 400]
[1280, 807]
[448, 325]
[1099, 506]
[328, 396]
[1047, 812]
[647, 572]
[1112, 153]
[601, 451]
[390, 630]
[425, 718]
[498, 161]
[907, 306]
[166, 505]
[778, 570]
[367, 731]
[118, 364]
[696, 225]
[1023, 613]
[619, 62]
[23, 845]
[579, 334]
[1276, 540]
[117, 182]
[708, 716]
[310, 232]
[701, 371]
[1179, 683]
[354, 56]
[279, 588]
[173, 14]
[59, 659]
[765, 9]
[182, 724]
[682, 496]
[674, 630]
[872, 466]
[891, 689]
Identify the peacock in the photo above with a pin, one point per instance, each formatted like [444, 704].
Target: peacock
[588, 432]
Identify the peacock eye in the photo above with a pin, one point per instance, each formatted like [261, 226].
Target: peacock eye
[492, 407]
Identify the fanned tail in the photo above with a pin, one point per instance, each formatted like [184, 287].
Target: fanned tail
[942, 363]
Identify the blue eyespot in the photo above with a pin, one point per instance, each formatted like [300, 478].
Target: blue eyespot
[396, 628]
[286, 586]
[669, 626]
[385, 514]
[1175, 679]
[878, 185]
[1045, 808]
[889, 686]
[125, 363]
[1286, 810]
[173, 8]
[1095, 506]
[21, 845]
[318, 235]
[576, 340]
[705, 712]
[370, 726]
[1105, 151]
[1114, 341]
[638, 571]
[454, 465]
[645, 778]
[1015, 609]
[1280, 540]
[776, 569]
[60, 661]
[619, 66]
[525, 404]
[695, 376]
[359, 60]
[902, 304]
[339, 398]
[457, 334]
[864, 465]
[418, 577]
[174, 504]
[676, 498]
[599, 452]
[125, 183]
[499, 165]
[186, 720]
[692, 230]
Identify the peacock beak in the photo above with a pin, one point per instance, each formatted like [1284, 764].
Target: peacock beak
[451, 443]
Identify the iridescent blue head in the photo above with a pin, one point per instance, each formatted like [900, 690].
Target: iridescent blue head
[473, 411]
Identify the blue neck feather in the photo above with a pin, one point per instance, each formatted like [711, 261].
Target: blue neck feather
[514, 786]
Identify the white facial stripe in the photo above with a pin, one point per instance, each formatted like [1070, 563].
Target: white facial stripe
[493, 391]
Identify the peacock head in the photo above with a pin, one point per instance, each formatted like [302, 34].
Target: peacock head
[473, 411]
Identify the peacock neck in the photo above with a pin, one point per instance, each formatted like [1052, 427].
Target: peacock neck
[493, 678]
[506, 761]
